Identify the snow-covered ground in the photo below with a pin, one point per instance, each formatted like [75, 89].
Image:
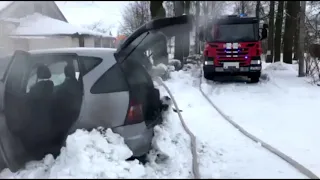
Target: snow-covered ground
[282, 111]
[224, 152]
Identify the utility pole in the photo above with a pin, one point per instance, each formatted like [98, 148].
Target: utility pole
[301, 38]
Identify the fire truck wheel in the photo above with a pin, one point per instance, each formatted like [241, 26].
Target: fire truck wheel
[254, 78]
[207, 75]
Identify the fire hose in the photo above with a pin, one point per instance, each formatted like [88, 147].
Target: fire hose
[195, 165]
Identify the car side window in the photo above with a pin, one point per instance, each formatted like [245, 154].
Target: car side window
[112, 80]
[89, 63]
[56, 65]
[135, 72]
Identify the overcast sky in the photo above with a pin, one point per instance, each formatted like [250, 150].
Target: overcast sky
[87, 12]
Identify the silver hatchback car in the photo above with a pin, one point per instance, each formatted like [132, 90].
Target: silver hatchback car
[47, 94]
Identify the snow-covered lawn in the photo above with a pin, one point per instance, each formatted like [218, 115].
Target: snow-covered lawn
[282, 111]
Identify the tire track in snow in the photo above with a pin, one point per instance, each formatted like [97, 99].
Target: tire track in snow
[305, 171]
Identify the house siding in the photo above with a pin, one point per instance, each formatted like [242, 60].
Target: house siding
[50, 42]
[89, 42]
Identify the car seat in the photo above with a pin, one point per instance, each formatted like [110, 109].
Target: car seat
[67, 103]
[36, 136]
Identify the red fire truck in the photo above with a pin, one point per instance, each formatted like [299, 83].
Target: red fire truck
[233, 47]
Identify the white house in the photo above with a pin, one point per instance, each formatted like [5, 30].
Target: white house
[28, 25]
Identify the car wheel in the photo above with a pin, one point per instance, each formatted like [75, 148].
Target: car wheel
[254, 78]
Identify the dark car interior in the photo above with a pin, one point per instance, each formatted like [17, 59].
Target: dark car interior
[51, 104]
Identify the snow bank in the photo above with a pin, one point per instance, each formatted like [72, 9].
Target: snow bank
[103, 154]
[279, 66]
[87, 154]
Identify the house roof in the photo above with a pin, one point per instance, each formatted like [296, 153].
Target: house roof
[4, 4]
[40, 25]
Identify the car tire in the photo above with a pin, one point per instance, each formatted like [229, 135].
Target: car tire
[255, 77]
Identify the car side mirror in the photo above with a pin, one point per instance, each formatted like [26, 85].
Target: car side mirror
[201, 34]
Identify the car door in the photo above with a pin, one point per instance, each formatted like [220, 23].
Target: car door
[12, 152]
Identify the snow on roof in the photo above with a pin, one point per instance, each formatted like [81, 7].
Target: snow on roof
[40, 25]
[4, 4]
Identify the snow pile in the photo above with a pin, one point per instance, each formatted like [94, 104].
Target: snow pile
[103, 154]
[279, 66]
[87, 154]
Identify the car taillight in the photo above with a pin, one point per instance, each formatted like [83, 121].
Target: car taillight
[135, 113]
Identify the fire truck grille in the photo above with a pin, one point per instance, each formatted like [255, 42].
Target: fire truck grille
[241, 52]
[241, 62]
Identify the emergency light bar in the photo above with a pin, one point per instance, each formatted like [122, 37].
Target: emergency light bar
[243, 15]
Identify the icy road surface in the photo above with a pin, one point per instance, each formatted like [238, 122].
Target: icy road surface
[282, 111]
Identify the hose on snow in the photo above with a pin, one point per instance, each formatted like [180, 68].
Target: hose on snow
[195, 165]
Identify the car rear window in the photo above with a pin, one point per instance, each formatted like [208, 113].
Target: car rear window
[112, 80]
[89, 63]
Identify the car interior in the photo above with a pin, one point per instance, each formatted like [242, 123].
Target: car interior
[52, 102]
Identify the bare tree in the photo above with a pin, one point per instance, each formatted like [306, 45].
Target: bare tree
[290, 24]
[134, 15]
[296, 35]
[197, 15]
[246, 7]
[178, 42]
[169, 7]
[186, 40]
[301, 38]
[271, 33]
[100, 27]
[277, 37]
[160, 52]
[258, 9]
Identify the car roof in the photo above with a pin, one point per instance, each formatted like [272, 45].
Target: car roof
[86, 51]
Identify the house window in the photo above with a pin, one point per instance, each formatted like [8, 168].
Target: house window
[38, 8]
[97, 42]
[81, 41]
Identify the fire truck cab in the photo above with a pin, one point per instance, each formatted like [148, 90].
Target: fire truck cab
[232, 47]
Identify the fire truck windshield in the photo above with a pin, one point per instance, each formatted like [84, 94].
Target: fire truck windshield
[233, 33]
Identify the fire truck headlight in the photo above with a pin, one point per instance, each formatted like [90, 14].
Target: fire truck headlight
[208, 63]
[255, 62]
